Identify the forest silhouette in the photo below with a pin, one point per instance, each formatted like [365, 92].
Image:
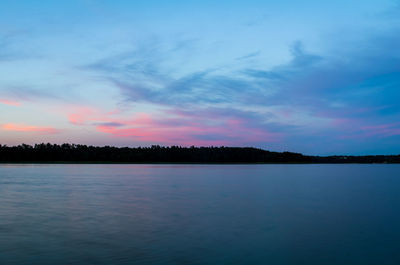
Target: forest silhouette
[76, 153]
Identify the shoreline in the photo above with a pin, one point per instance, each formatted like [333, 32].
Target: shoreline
[191, 163]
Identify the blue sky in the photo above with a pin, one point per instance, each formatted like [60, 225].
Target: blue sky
[315, 77]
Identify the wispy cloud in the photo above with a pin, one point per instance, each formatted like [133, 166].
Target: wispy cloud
[10, 102]
[174, 126]
[249, 56]
[308, 83]
[28, 128]
[313, 92]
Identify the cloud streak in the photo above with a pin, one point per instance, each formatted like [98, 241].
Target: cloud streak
[310, 93]
[311, 82]
[28, 128]
[176, 127]
[10, 102]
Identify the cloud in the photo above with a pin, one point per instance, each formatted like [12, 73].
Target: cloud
[145, 80]
[248, 56]
[81, 115]
[382, 130]
[231, 132]
[373, 131]
[362, 78]
[29, 129]
[324, 93]
[177, 127]
[109, 124]
[10, 102]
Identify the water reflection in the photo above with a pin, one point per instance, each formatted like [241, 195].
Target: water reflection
[199, 214]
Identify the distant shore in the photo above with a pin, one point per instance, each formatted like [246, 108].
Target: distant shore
[83, 154]
[181, 163]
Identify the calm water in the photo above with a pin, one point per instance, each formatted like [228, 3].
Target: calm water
[200, 214]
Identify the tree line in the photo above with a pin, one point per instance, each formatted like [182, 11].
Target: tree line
[76, 153]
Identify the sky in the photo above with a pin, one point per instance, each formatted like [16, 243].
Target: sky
[315, 77]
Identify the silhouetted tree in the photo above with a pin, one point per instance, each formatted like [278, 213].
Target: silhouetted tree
[73, 153]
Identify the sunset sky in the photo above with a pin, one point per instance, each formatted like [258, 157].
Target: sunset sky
[316, 77]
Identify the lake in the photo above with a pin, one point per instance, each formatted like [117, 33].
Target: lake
[200, 214]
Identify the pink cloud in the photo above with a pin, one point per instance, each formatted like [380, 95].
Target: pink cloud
[370, 131]
[81, 115]
[187, 130]
[28, 128]
[10, 102]
[84, 115]
[165, 135]
[175, 127]
[389, 129]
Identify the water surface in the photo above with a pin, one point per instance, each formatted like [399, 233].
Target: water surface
[200, 214]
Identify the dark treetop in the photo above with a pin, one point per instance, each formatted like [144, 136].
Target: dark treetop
[71, 153]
